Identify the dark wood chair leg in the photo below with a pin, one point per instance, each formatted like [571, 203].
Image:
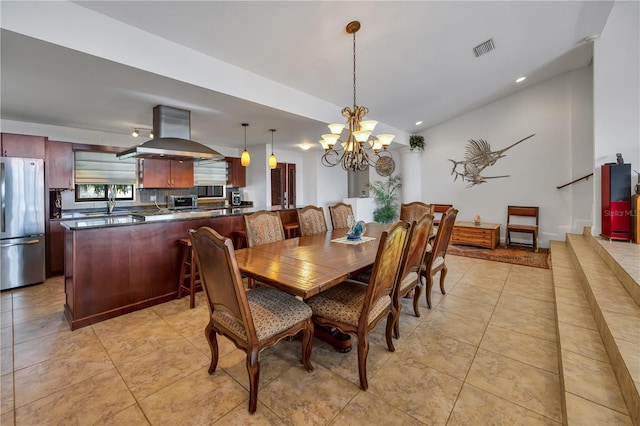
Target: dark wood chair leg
[363, 350]
[443, 275]
[428, 289]
[253, 368]
[210, 334]
[396, 322]
[307, 342]
[392, 322]
[416, 299]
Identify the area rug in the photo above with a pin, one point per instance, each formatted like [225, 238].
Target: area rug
[516, 255]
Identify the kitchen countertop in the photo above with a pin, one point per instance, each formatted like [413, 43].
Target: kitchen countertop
[91, 220]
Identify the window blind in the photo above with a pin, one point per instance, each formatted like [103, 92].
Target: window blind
[92, 167]
[210, 173]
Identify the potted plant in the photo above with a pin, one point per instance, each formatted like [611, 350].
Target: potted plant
[385, 194]
[416, 142]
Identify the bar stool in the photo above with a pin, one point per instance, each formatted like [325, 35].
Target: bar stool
[291, 229]
[188, 270]
[239, 239]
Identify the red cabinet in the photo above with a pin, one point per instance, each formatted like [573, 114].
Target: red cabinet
[24, 146]
[616, 201]
[166, 174]
[59, 165]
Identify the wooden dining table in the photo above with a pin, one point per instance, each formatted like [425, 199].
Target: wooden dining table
[305, 266]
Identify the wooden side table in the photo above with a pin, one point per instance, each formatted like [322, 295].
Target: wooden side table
[484, 235]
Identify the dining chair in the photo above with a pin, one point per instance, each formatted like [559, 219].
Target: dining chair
[356, 308]
[435, 259]
[311, 220]
[339, 213]
[263, 227]
[439, 208]
[418, 244]
[517, 212]
[413, 211]
[253, 320]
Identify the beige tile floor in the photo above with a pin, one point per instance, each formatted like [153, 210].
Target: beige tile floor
[485, 354]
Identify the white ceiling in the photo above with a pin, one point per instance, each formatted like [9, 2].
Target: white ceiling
[283, 64]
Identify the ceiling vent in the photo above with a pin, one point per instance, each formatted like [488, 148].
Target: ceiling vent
[483, 48]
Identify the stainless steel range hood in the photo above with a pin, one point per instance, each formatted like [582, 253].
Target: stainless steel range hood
[172, 141]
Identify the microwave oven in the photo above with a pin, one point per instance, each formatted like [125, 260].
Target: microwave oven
[179, 202]
[211, 191]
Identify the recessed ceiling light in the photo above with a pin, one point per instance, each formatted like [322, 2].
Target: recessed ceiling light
[418, 123]
[521, 79]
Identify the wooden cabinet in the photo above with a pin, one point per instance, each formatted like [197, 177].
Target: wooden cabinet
[484, 235]
[55, 248]
[166, 174]
[59, 165]
[236, 173]
[25, 146]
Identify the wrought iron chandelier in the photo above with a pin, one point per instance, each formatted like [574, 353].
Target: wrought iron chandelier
[359, 150]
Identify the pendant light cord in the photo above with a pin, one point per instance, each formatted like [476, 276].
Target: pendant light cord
[354, 71]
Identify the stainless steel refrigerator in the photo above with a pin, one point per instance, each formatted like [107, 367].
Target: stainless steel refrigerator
[22, 221]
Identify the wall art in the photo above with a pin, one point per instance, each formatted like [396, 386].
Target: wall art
[477, 157]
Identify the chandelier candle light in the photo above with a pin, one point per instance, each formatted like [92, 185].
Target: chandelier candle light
[358, 152]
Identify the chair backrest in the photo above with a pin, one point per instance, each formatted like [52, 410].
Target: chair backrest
[311, 220]
[221, 279]
[443, 236]
[385, 275]
[527, 211]
[339, 213]
[413, 211]
[418, 242]
[263, 227]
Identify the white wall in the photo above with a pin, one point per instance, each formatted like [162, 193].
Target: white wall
[616, 93]
[557, 111]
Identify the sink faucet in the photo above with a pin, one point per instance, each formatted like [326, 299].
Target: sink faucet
[111, 203]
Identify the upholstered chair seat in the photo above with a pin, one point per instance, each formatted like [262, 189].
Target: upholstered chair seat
[273, 312]
[408, 283]
[345, 302]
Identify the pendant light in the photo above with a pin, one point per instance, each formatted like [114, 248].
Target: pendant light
[245, 158]
[273, 163]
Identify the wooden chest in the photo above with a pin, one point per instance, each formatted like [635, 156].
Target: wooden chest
[483, 235]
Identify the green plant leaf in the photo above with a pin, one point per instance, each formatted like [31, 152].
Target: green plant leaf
[386, 196]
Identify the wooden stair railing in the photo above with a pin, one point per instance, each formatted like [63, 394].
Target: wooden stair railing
[574, 181]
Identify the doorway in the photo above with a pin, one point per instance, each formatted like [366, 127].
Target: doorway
[283, 185]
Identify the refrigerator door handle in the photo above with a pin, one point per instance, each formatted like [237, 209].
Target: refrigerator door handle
[2, 196]
[24, 243]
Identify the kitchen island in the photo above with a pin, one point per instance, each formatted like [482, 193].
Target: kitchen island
[123, 263]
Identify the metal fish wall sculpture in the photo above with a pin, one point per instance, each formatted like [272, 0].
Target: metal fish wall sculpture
[477, 157]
